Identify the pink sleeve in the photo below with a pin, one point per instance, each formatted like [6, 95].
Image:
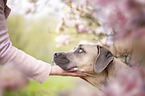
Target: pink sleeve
[31, 67]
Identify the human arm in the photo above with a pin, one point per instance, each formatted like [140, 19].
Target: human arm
[31, 67]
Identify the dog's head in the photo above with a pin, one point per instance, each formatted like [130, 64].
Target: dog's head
[87, 58]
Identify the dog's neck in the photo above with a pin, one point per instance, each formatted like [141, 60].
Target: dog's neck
[97, 80]
[100, 80]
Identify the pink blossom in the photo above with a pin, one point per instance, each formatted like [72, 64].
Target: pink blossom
[81, 28]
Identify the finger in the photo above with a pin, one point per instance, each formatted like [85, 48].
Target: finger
[73, 74]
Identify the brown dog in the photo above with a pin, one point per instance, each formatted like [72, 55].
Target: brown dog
[96, 61]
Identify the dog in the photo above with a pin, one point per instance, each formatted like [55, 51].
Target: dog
[96, 61]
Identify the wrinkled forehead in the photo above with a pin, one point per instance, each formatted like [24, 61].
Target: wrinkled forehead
[88, 47]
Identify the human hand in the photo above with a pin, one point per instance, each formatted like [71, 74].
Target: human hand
[56, 70]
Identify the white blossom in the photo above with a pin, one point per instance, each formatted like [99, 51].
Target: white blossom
[63, 39]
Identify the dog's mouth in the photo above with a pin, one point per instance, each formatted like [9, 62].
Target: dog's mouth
[61, 60]
[63, 66]
[72, 68]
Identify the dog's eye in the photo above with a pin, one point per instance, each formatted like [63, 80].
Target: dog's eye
[80, 50]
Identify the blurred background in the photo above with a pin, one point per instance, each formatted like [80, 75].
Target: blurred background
[42, 27]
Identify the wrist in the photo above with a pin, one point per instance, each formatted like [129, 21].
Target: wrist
[54, 70]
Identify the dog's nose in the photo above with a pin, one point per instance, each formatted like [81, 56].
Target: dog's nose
[57, 54]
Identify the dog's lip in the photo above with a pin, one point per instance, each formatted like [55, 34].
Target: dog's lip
[53, 62]
[75, 67]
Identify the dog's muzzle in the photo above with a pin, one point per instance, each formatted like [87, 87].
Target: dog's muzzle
[60, 59]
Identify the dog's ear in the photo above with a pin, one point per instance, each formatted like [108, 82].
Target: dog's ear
[104, 58]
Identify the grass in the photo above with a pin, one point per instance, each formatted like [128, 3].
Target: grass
[49, 88]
